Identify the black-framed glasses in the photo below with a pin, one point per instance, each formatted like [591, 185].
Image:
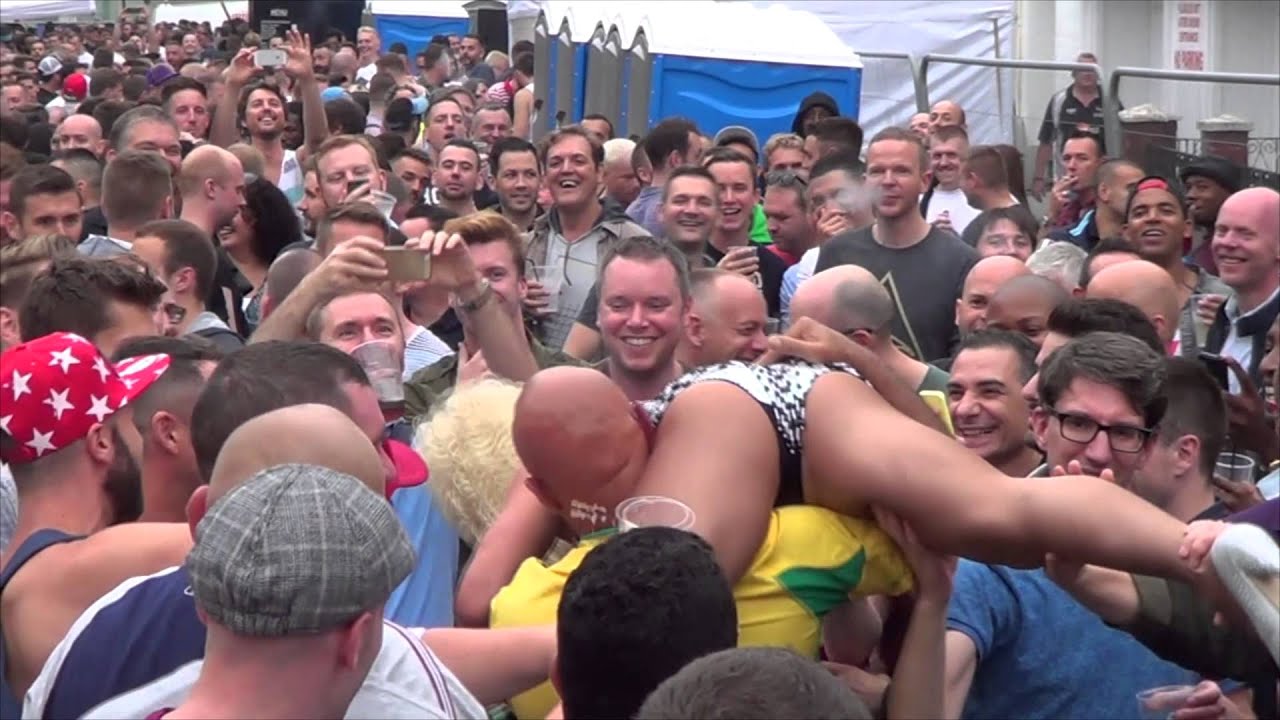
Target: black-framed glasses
[1083, 429]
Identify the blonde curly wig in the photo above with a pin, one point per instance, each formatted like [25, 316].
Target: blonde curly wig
[467, 446]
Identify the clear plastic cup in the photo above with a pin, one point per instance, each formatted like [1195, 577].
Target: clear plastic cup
[654, 511]
[1161, 702]
[381, 363]
[1235, 467]
[385, 202]
[1201, 327]
[551, 277]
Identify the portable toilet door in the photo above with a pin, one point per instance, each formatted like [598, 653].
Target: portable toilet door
[603, 79]
[637, 74]
[552, 72]
[569, 75]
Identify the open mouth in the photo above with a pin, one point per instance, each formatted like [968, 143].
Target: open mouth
[568, 184]
[638, 341]
[973, 435]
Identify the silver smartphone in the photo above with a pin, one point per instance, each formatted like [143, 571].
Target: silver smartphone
[269, 58]
[406, 264]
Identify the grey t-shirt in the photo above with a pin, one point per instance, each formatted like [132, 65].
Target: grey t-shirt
[8, 506]
[924, 281]
[579, 277]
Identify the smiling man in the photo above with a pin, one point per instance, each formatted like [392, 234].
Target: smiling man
[730, 245]
[947, 205]
[457, 177]
[984, 395]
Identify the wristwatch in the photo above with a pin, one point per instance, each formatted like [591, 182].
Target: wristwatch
[480, 300]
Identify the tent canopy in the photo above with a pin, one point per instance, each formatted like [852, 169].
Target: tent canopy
[24, 10]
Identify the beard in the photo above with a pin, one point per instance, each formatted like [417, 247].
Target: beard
[124, 483]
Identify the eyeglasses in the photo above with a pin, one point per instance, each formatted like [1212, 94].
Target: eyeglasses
[1083, 429]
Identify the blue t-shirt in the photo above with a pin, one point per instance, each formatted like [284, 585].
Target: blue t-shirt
[1043, 655]
[425, 598]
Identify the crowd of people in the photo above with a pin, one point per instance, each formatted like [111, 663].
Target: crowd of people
[331, 386]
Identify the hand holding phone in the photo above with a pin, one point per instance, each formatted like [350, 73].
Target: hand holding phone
[406, 265]
[269, 58]
[1217, 367]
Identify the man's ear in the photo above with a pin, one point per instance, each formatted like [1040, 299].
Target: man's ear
[696, 328]
[11, 227]
[197, 506]
[10, 331]
[543, 493]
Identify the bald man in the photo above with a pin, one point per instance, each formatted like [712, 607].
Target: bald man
[1146, 286]
[211, 183]
[1023, 304]
[286, 271]
[79, 131]
[851, 301]
[1246, 248]
[946, 113]
[980, 285]
[159, 616]
[727, 320]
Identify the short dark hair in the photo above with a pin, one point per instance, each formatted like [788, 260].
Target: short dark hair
[1105, 246]
[185, 245]
[1085, 134]
[356, 212]
[1194, 406]
[82, 165]
[242, 102]
[523, 63]
[987, 164]
[669, 136]
[1080, 316]
[437, 215]
[134, 86]
[13, 131]
[134, 186]
[842, 130]
[568, 131]
[725, 155]
[263, 377]
[42, 179]
[689, 171]
[103, 79]
[177, 388]
[753, 683]
[897, 134]
[179, 84]
[1019, 344]
[345, 115]
[274, 221]
[1119, 361]
[646, 248]
[605, 118]
[639, 607]
[462, 143]
[511, 144]
[846, 161]
[1016, 214]
[382, 84]
[22, 260]
[75, 293]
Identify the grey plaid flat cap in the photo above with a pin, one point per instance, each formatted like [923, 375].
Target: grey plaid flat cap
[297, 549]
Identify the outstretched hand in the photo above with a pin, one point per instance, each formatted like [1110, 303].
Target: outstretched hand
[297, 50]
[810, 340]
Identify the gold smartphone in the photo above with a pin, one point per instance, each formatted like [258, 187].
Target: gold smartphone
[406, 264]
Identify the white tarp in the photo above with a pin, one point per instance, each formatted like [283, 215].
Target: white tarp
[215, 13]
[959, 27]
[23, 10]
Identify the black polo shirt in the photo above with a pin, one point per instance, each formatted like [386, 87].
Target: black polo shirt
[1073, 117]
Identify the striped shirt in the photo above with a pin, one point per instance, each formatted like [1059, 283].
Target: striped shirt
[140, 648]
[422, 349]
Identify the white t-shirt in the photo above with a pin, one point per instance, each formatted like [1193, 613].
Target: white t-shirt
[291, 177]
[366, 73]
[954, 203]
[406, 681]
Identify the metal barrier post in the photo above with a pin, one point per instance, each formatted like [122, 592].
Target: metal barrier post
[1111, 101]
[999, 63]
[917, 76]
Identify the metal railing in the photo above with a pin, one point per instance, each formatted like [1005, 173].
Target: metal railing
[1111, 99]
[930, 59]
[917, 75]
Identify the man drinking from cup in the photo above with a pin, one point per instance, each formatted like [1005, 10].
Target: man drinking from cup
[366, 326]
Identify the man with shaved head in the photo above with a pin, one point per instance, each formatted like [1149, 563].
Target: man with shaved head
[1246, 247]
[726, 321]
[1023, 304]
[212, 186]
[946, 113]
[1147, 287]
[980, 285]
[79, 131]
[1157, 227]
[851, 301]
[314, 405]
[211, 183]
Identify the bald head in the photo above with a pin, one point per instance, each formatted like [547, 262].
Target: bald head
[1257, 208]
[207, 162]
[573, 430]
[845, 298]
[306, 434]
[1023, 305]
[711, 288]
[980, 285]
[1144, 285]
[946, 113]
[285, 273]
[80, 131]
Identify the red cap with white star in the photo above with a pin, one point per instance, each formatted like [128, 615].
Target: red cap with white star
[55, 388]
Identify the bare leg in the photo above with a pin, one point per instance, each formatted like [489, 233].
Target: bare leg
[859, 451]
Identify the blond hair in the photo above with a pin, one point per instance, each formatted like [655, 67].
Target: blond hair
[790, 141]
[468, 447]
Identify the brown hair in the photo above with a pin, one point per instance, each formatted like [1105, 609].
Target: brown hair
[356, 212]
[488, 227]
[76, 292]
[21, 261]
[337, 142]
[135, 185]
[568, 131]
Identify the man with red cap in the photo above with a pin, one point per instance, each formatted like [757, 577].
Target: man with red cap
[66, 433]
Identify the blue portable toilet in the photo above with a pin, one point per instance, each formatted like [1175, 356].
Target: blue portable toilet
[724, 64]
[565, 34]
[415, 23]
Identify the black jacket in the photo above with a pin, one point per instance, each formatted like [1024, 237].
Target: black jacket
[818, 99]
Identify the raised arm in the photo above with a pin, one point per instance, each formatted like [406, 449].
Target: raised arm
[298, 66]
[495, 665]
[352, 264]
[224, 131]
